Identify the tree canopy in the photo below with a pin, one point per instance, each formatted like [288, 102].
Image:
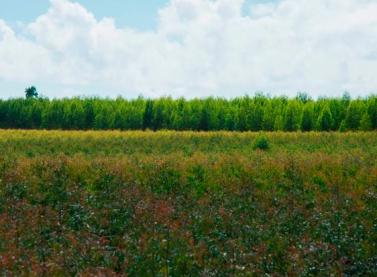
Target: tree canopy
[258, 113]
[31, 92]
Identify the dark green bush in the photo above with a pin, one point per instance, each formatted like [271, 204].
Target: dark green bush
[261, 143]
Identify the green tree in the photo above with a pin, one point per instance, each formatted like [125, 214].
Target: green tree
[3, 113]
[279, 123]
[325, 120]
[303, 97]
[232, 119]
[342, 127]
[366, 123]
[346, 98]
[158, 115]
[31, 92]
[77, 115]
[292, 116]
[307, 119]
[354, 115]
[52, 115]
[133, 113]
[89, 115]
[148, 115]
[372, 110]
[256, 119]
[268, 117]
[244, 113]
[337, 110]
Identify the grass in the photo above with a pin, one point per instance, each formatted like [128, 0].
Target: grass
[187, 204]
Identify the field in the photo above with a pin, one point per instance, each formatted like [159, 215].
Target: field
[187, 204]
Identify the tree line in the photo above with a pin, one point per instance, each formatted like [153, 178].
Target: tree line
[257, 113]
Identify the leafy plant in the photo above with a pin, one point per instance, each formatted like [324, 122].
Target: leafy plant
[261, 142]
[31, 92]
[187, 204]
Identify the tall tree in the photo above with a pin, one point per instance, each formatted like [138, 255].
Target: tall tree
[372, 111]
[365, 123]
[268, 117]
[354, 115]
[307, 119]
[303, 97]
[292, 116]
[325, 120]
[31, 92]
[148, 115]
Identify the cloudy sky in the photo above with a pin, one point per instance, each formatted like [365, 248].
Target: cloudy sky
[190, 48]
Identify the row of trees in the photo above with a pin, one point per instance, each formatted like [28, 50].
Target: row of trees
[256, 113]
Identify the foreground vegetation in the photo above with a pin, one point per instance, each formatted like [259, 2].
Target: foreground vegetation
[256, 113]
[188, 204]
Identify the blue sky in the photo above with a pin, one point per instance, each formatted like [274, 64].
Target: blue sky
[190, 48]
[139, 14]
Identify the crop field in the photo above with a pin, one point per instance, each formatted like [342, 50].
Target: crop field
[111, 203]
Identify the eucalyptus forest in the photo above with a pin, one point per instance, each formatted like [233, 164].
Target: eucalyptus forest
[257, 113]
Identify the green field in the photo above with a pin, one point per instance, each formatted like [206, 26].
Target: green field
[187, 204]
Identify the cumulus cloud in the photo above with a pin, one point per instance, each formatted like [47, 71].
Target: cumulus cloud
[21, 58]
[5, 31]
[201, 48]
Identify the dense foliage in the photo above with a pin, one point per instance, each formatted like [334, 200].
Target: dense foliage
[209, 114]
[31, 92]
[187, 204]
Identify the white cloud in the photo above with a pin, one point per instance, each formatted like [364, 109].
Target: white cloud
[5, 31]
[202, 47]
[22, 59]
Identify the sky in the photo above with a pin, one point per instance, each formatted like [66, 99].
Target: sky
[189, 48]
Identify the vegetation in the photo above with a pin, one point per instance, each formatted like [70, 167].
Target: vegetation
[258, 113]
[188, 203]
[31, 92]
[261, 143]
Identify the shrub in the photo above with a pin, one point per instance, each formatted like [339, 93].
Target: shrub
[261, 143]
